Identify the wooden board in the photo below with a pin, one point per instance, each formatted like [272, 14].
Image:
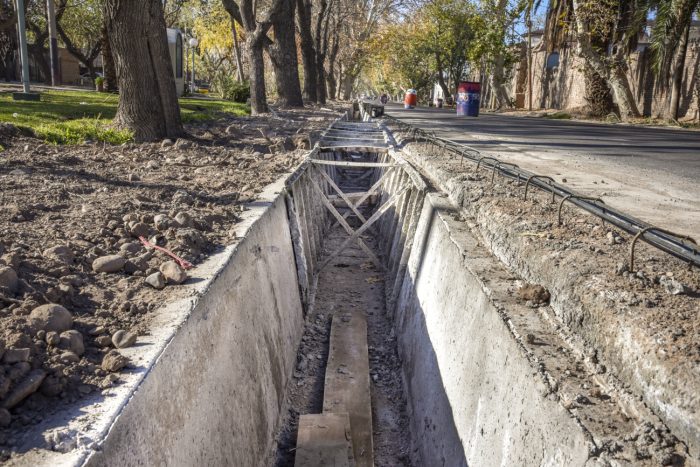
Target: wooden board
[323, 440]
[347, 386]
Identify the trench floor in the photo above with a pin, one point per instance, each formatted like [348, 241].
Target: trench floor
[350, 283]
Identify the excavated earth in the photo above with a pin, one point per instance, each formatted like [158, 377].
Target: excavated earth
[63, 207]
[638, 334]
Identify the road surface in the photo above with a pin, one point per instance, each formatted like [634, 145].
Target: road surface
[651, 173]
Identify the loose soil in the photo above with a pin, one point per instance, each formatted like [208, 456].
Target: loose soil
[62, 207]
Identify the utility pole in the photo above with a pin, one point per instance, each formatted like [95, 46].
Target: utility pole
[53, 42]
[27, 95]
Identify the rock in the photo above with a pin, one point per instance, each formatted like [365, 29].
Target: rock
[622, 268]
[672, 286]
[60, 253]
[8, 279]
[73, 341]
[50, 317]
[166, 143]
[156, 280]
[173, 272]
[183, 144]
[12, 356]
[114, 361]
[108, 264]
[51, 387]
[129, 249]
[25, 388]
[184, 220]
[103, 341]
[53, 338]
[534, 293]
[139, 229]
[5, 418]
[161, 222]
[69, 357]
[122, 339]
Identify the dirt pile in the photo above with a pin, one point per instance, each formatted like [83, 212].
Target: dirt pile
[93, 238]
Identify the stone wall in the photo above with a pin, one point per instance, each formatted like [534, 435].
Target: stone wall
[564, 87]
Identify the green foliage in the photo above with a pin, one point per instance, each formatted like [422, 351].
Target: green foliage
[72, 117]
[99, 81]
[232, 90]
[197, 109]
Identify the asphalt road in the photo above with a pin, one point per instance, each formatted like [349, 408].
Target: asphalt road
[652, 173]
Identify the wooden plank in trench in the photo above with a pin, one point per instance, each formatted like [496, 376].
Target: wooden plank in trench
[347, 386]
[324, 440]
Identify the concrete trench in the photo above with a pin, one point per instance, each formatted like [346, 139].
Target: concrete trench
[445, 377]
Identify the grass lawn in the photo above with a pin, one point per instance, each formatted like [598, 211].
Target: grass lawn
[71, 117]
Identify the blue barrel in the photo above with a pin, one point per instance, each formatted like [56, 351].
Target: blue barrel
[468, 99]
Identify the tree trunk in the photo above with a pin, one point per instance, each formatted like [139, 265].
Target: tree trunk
[308, 54]
[498, 85]
[677, 75]
[598, 95]
[237, 52]
[110, 72]
[283, 55]
[148, 103]
[258, 98]
[610, 69]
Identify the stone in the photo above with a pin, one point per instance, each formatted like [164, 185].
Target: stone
[130, 248]
[173, 272]
[16, 355]
[535, 293]
[103, 341]
[161, 222]
[51, 387]
[28, 386]
[114, 361]
[184, 220]
[156, 280]
[53, 338]
[8, 279]
[672, 286]
[622, 268]
[50, 317]
[182, 144]
[139, 229]
[122, 339]
[5, 418]
[166, 143]
[108, 264]
[69, 357]
[60, 253]
[73, 341]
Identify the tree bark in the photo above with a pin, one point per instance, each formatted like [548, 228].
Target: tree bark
[677, 75]
[258, 98]
[320, 46]
[283, 55]
[148, 103]
[110, 72]
[308, 54]
[237, 52]
[611, 69]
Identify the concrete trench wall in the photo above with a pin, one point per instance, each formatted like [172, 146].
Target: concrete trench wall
[214, 395]
[474, 397]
